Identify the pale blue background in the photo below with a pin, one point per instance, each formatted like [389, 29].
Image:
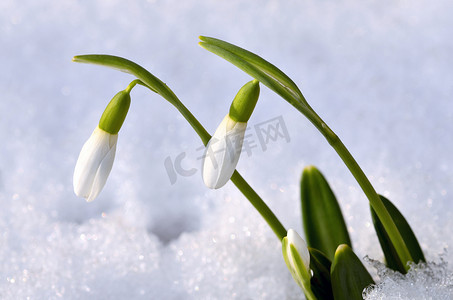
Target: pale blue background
[378, 72]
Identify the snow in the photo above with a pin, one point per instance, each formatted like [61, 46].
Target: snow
[422, 282]
[378, 72]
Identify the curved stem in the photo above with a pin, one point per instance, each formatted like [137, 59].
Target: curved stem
[281, 84]
[237, 179]
[365, 184]
[240, 182]
[156, 85]
[260, 206]
[132, 85]
[150, 81]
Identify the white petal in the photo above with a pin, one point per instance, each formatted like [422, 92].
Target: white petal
[92, 154]
[223, 152]
[301, 247]
[102, 174]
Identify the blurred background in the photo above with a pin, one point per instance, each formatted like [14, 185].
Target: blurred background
[378, 72]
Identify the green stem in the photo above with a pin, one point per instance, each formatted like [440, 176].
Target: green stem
[134, 83]
[281, 84]
[156, 85]
[367, 187]
[237, 179]
[375, 202]
[309, 294]
[260, 206]
[131, 85]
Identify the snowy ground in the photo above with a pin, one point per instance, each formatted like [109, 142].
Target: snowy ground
[378, 72]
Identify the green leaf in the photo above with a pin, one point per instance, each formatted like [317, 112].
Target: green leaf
[147, 79]
[129, 67]
[323, 221]
[257, 67]
[320, 281]
[391, 257]
[349, 276]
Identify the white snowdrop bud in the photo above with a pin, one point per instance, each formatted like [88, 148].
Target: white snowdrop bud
[94, 164]
[224, 149]
[297, 258]
[96, 157]
[223, 152]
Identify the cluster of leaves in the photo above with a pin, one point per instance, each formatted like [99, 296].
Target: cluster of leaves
[337, 272]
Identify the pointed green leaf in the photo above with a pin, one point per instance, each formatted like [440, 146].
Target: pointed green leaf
[349, 276]
[127, 66]
[256, 60]
[323, 221]
[320, 281]
[391, 257]
[147, 79]
[256, 67]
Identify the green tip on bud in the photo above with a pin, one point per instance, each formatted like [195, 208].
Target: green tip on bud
[114, 114]
[244, 103]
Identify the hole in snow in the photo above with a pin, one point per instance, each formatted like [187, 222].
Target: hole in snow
[169, 228]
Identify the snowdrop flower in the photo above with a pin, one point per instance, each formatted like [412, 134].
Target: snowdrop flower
[222, 153]
[224, 149]
[94, 164]
[96, 158]
[297, 258]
